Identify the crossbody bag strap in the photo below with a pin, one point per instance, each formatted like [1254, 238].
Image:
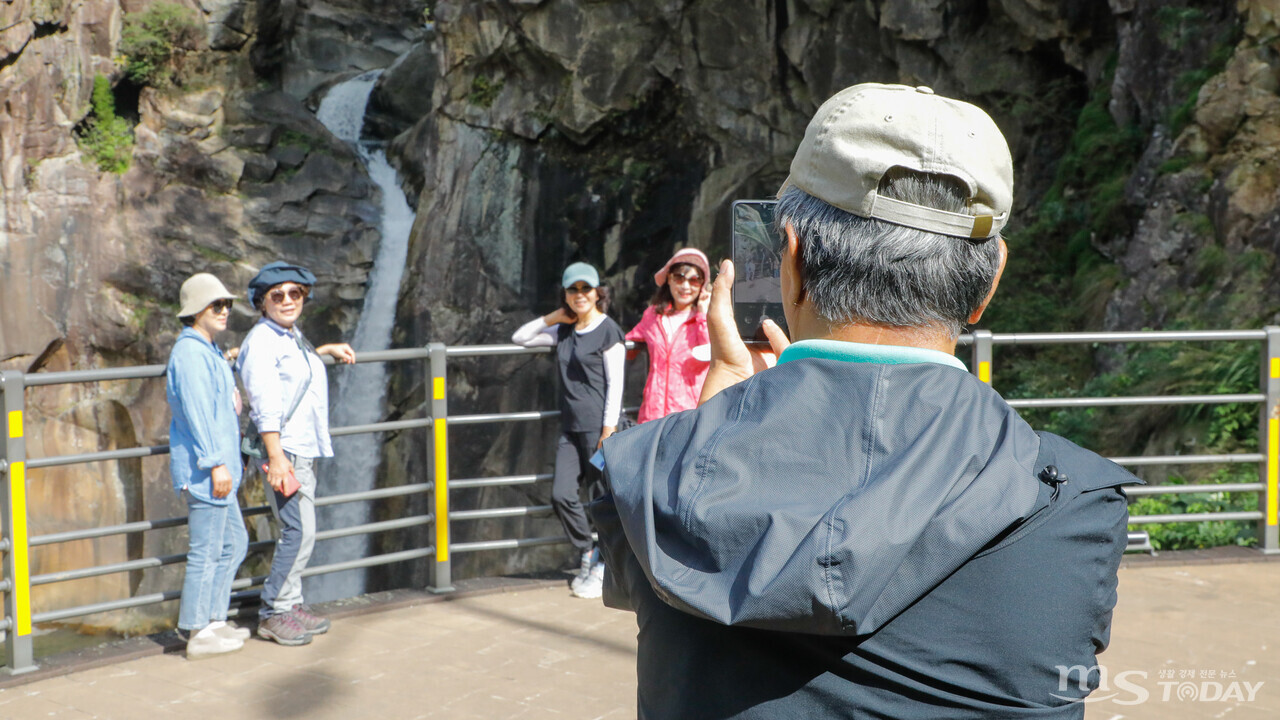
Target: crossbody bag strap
[302, 389]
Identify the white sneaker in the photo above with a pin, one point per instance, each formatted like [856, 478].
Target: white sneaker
[226, 630]
[584, 569]
[208, 643]
[593, 586]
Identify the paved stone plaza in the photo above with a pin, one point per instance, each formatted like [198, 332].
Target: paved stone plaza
[530, 650]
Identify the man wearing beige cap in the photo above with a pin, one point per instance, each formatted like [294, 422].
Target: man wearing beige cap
[204, 465]
[866, 529]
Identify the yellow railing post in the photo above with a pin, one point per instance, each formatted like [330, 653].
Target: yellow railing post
[1269, 445]
[982, 355]
[441, 574]
[19, 657]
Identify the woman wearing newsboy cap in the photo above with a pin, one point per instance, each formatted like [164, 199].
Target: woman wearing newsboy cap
[204, 465]
[288, 391]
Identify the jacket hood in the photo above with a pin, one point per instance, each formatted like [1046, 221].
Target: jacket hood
[821, 496]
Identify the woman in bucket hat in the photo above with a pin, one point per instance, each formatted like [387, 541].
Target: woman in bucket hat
[288, 391]
[674, 330]
[591, 355]
[204, 465]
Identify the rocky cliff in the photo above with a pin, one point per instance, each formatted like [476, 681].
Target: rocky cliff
[536, 132]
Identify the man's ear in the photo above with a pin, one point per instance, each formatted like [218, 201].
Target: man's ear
[1004, 257]
[792, 272]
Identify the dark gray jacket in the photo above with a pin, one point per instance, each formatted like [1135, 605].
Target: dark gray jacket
[845, 540]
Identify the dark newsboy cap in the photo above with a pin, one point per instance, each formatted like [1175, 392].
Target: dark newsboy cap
[273, 274]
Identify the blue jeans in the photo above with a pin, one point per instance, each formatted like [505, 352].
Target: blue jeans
[218, 544]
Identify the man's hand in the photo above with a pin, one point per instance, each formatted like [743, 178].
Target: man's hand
[221, 481]
[731, 360]
[341, 352]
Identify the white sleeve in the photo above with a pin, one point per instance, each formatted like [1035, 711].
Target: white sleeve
[261, 376]
[614, 359]
[535, 333]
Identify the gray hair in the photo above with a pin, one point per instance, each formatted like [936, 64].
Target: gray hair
[858, 269]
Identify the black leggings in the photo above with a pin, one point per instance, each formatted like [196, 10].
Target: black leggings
[575, 473]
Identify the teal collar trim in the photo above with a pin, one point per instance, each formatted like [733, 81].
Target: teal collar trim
[865, 353]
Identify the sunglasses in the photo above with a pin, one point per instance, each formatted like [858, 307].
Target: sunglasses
[578, 289]
[220, 306]
[692, 280]
[295, 294]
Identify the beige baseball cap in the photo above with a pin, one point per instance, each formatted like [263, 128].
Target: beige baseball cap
[198, 292]
[864, 131]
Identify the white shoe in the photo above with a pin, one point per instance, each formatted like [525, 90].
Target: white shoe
[593, 586]
[584, 569]
[208, 643]
[226, 630]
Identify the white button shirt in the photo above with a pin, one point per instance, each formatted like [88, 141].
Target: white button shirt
[273, 365]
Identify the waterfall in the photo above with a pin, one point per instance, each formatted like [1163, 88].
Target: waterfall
[362, 388]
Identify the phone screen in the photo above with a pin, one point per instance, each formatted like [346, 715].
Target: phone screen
[757, 262]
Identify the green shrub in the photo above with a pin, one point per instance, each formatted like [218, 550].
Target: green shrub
[1192, 536]
[484, 91]
[108, 139]
[155, 42]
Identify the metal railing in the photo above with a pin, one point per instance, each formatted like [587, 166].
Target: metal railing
[15, 543]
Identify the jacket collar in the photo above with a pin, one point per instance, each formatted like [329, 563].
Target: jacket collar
[867, 353]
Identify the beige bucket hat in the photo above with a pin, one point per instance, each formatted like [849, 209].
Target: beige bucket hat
[199, 291]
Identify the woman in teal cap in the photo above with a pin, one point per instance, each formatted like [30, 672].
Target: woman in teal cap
[288, 391]
[590, 354]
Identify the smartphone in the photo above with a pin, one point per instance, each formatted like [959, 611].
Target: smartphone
[757, 262]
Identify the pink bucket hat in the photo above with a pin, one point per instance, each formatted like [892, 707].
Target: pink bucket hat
[692, 256]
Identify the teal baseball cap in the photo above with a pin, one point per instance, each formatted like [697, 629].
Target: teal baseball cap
[580, 272]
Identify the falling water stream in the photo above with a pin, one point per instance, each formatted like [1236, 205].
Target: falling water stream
[362, 387]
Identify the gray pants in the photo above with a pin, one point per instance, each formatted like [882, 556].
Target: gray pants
[297, 517]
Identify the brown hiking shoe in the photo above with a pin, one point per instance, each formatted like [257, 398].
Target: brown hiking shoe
[313, 624]
[284, 629]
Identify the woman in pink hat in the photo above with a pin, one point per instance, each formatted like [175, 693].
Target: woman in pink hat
[674, 329]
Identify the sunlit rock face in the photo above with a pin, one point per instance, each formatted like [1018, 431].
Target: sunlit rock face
[529, 134]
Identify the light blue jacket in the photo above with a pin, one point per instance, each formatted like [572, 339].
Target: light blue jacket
[204, 431]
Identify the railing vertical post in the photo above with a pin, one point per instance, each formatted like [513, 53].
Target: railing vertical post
[441, 573]
[19, 657]
[1269, 445]
[982, 355]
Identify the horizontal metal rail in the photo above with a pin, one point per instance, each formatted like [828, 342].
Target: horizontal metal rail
[506, 544]
[140, 526]
[375, 527]
[371, 561]
[379, 493]
[502, 417]
[144, 563]
[386, 426]
[1189, 459]
[242, 583]
[124, 454]
[1195, 517]
[1145, 336]
[492, 513]
[494, 481]
[1143, 490]
[1138, 400]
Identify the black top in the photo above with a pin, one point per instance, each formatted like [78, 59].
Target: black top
[857, 540]
[582, 378]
